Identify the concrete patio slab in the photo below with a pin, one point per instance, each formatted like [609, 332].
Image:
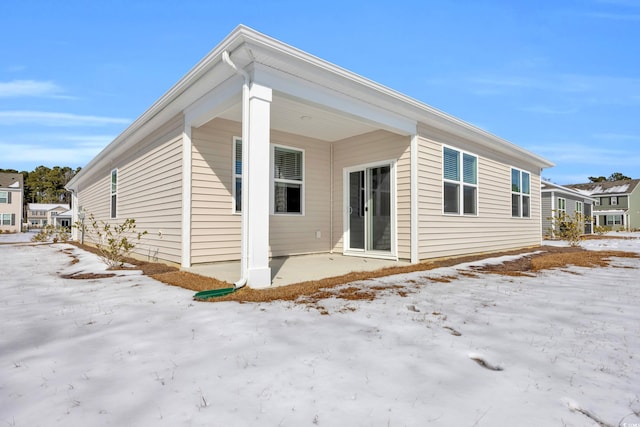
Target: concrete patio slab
[300, 268]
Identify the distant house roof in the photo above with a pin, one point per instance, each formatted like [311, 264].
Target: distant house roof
[46, 206]
[606, 187]
[550, 186]
[10, 180]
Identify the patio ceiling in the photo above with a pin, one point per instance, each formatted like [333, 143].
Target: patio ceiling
[300, 118]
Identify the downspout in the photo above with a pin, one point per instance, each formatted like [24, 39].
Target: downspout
[244, 247]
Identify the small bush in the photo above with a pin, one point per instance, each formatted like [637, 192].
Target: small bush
[113, 241]
[569, 228]
[52, 233]
[601, 229]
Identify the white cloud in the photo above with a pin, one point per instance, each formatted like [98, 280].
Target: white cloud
[30, 88]
[72, 151]
[44, 118]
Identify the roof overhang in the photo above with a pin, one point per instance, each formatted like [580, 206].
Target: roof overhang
[555, 188]
[300, 79]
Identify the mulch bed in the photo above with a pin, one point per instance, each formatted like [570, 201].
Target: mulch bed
[310, 292]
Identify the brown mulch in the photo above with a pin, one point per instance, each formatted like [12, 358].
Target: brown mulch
[310, 292]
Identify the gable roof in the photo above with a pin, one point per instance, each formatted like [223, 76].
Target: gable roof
[257, 53]
[607, 187]
[46, 206]
[10, 180]
[547, 187]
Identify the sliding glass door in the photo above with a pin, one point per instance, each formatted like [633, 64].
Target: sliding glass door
[369, 209]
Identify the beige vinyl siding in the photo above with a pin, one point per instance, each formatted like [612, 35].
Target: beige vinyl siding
[494, 228]
[149, 191]
[369, 148]
[215, 232]
[293, 234]
[216, 229]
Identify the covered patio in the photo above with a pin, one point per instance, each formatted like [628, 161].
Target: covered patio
[299, 268]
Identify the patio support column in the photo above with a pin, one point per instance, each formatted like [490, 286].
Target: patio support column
[258, 182]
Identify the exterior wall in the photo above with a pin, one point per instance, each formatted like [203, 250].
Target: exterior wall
[570, 209]
[215, 229]
[547, 207]
[493, 229]
[149, 191]
[14, 209]
[634, 209]
[368, 148]
[605, 202]
[215, 226]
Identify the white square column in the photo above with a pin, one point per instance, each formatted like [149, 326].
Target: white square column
[258, 180]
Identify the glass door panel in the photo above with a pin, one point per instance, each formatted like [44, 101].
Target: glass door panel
[356, 210]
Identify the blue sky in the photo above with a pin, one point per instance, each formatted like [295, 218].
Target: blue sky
[560, 78]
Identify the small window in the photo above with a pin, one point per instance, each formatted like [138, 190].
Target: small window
[520, 194]
[562, 205]
[4, 197]
[614, 219]
[579, 208]
[5, 219]
[237, 174]
[614, 200]
[460, 182]
[114, 193]
[288, 180]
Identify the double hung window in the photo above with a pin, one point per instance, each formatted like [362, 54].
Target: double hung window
[114, 193]
[288, 180]
[520, 194]
[460, 182]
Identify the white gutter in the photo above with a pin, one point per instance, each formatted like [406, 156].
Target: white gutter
[244, 247]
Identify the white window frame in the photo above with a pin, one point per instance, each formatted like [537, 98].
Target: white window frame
[113, 207]
[579, 207]
[234, 175]
[611, 219]
[461, 183]
[614, 200]
[5, 197]
[562, 204]
[2, 219]
[520, 193]
[274, 180]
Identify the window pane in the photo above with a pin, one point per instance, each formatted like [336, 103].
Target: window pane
[470, 169]
[113, 206]
[451, 164]
[469, 200]
[525, 206]
[114, 181]
[287, 198]
[515, 205]
[4, 196]
[451, 198]
[515, 180]
[287, 164]
[238, 194]
[238, 157]
[525, 183]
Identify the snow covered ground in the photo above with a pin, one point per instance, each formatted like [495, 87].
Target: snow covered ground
[129, 351]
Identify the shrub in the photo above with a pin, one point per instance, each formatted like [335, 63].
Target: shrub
[113, 241]
[569, 228]
[50, 232]
[601, 229]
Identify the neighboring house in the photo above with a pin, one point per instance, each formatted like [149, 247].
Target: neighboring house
[42, 214]
[617, 203]
[557, 200]
[11, 200]
[63, 219]
[263, 150]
